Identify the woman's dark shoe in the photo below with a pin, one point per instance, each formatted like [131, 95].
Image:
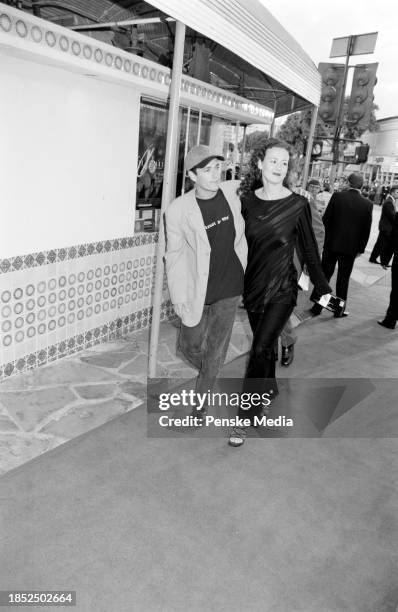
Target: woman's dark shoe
[387, 324]
[287, 355]
[238, 436]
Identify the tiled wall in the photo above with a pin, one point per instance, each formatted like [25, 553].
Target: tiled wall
[58, 302]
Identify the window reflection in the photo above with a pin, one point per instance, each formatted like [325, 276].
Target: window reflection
[195, 127]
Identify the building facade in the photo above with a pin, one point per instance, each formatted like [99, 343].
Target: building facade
[382, 164]
[82, 159]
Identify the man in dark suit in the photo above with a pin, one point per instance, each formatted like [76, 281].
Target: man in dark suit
[382, 245]
[347, 221]
[391, 316]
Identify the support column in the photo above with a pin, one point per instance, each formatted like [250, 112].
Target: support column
[310, 142]
[337, 130]
[167, 195]
[242, 153]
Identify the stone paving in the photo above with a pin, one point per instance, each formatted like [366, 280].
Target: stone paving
[53, 404]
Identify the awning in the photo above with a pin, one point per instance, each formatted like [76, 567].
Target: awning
[248, 29]
[249, 53]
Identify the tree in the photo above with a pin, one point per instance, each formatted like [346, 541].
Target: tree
[255, 140]
[353, 132]
[296, 128]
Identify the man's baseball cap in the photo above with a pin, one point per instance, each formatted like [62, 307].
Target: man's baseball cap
[199, 156]
[313, 182]
[355, 180]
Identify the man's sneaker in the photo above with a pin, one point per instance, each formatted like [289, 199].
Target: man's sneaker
[200, 416]
[315, 310]
[287, 355]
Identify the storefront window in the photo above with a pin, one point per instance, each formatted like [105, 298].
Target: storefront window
[233, 135]
[195, 127]
[190, 122]
[151, 151]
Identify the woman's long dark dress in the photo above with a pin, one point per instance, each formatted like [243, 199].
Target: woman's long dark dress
[274, 229]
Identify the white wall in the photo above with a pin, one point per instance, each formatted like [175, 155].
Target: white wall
[68, 156]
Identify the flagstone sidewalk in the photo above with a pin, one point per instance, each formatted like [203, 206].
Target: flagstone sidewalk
[48, 406]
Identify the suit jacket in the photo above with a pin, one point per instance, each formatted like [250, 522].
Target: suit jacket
[188, 251]
[393, 240]
[387, 215]
[347, 221]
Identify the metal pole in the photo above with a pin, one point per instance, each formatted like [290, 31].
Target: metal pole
[186, 148]
[236, 152]
[273, 126]
[167, 196]
[339, 115]
[199, 126]
[242, 153]
[310, 141]
[115, 24]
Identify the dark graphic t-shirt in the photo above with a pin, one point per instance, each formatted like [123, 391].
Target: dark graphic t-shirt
[225, 271]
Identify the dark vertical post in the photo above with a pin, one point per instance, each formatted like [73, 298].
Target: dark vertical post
[337, 129]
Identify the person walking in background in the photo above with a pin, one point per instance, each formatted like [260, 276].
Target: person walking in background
[277, 220]
[382, 245]
[391, 316]
[347, 221]
[206, 255]
[314, 189]
[323, 198]
[372, 193]
[383, 195]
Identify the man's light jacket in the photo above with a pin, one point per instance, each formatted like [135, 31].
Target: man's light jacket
[188, 251]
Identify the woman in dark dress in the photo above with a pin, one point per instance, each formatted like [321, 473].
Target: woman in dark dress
[278, 221]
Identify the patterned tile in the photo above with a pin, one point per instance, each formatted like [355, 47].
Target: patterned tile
[17, 263]
[40, 258]
[51, 256]
[72, 301]
[5, 265]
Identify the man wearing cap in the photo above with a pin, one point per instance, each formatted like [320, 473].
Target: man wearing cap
[347, 221]
[206, 256]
